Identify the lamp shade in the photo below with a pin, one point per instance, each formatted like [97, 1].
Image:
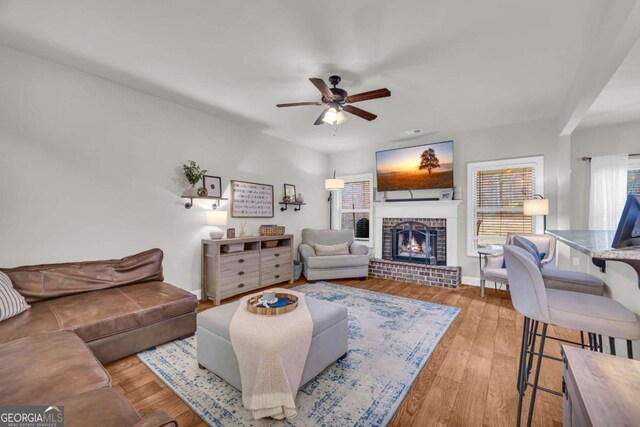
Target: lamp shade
[216, 218]
[534, 207]
[332, 184]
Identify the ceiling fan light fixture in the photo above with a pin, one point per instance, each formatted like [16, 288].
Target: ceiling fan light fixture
[340, 118]
[331, 116]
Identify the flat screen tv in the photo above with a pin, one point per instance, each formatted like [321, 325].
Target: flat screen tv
[628, 232]
[415, 168]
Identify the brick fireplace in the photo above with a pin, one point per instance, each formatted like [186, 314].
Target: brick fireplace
[416, 242]
[400, 232]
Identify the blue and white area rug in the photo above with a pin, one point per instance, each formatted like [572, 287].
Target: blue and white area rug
[390, 340]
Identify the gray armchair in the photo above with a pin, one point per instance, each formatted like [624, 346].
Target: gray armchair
[537, 244]
[316, 267]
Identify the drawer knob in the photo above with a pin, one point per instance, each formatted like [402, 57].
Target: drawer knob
[277, 265]
[276, 254]
[240, 273]
[277, 276]
[241, 260]
[241, 285]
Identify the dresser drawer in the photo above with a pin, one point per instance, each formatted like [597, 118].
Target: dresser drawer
[274, 255]
[235, 263]
[246, 284]
[271, 276]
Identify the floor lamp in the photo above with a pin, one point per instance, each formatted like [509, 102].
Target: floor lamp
[537, 206]
[331, 185]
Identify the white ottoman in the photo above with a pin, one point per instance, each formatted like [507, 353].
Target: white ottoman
[329, 342]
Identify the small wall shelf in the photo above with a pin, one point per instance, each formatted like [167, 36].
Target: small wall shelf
[285, 205]
[189, 204]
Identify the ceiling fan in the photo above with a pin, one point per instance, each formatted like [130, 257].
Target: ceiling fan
[336, 98]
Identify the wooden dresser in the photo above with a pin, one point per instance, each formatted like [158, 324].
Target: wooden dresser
[225, 274]
[599, 389]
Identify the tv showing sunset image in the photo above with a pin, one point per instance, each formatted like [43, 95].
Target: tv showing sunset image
[415, 168]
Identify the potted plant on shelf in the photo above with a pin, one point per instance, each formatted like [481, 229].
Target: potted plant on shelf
[194, 175]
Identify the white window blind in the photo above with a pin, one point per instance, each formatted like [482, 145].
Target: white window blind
[355, 206]
[499, 196]
[497, 191]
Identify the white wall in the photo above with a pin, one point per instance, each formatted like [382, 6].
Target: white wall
[597, 141]
[516, 140]
[88, 170]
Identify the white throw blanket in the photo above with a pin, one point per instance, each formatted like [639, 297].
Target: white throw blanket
[271, 351]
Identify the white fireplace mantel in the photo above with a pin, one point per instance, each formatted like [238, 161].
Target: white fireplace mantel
[447, 209]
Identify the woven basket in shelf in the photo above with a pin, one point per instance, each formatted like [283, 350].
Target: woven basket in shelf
[272, 231]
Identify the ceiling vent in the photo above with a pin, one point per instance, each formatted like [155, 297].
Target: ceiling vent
[409, 133]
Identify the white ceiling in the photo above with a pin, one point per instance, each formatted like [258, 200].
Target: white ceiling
[451, 65]
[619, 101]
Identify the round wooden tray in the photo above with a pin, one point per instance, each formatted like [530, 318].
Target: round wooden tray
[251, 305]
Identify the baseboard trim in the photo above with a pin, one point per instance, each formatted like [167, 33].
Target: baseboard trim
[470, 280]
[197, 293]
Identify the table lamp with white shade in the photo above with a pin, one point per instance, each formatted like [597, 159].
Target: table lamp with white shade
[537, 206]
[215, 218]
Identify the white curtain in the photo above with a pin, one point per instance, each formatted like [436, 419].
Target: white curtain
[608, 191]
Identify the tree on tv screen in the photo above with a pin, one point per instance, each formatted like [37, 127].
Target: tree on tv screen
[429, 160]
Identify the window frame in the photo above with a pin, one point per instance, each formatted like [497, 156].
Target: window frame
[537, 162]
[338, 211]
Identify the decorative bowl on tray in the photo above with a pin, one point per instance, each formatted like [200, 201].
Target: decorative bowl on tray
[284, 303]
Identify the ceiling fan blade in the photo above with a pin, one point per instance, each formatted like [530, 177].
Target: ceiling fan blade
[322, 87]
[296, 104]
[365, 96]
[320, 117]
[360, 113]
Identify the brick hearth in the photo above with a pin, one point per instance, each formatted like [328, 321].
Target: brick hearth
[435, 275]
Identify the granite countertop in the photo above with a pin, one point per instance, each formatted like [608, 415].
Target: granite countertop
[595, 243]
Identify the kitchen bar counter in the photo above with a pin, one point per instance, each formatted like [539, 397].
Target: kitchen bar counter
[595, 243]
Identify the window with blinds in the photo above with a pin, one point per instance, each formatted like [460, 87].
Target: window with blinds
[499, 195]
[355, 207]
[499, 189]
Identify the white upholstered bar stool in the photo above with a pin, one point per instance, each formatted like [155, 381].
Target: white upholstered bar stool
[566, 309]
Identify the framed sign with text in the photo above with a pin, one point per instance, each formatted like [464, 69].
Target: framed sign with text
[251, 200]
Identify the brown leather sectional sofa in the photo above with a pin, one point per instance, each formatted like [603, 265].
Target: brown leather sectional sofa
[115, 308]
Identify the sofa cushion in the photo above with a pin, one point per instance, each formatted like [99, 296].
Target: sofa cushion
[11, 302]
[98, 314]
[323, 313]
[339, 249]
[46, 281]
[104, 407]
[337, 261]
[312, 236]
[46, 368]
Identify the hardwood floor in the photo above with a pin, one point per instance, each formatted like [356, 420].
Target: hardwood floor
[468, 381]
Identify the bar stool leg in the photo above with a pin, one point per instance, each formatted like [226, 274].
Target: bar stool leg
[537, 376]
[629, 349]
[600, 342]
[534, 334]
[582, 338]
[612, 345]
[521, 369]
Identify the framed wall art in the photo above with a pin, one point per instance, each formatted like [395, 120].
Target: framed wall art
[213, 184]
[289, 193]
[251, 200]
